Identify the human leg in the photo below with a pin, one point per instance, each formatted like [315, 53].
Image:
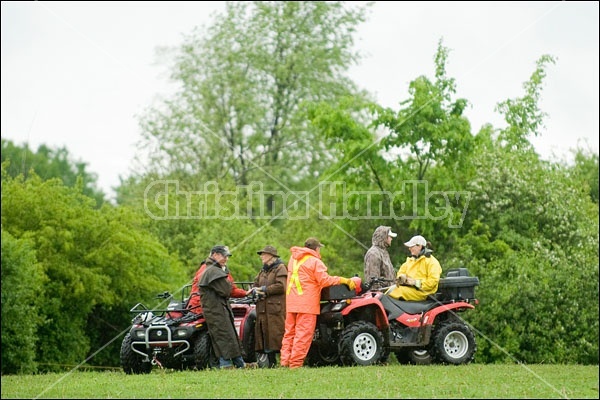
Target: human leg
[225, 363]
[288, 339]
[305, 329]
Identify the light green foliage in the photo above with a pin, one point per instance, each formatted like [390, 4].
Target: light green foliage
[586, 170]
[50, 163]
[430, 125]
[523, 115]
[22, 285]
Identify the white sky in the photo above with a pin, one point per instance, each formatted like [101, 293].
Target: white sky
[76, 74]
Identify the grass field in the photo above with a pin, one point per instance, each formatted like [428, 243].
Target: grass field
[474, 381]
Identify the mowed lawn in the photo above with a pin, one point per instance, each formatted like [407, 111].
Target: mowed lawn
[473, 381]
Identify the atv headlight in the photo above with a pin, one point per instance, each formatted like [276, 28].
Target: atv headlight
[337, 307]
[140, 334]
[181, 332]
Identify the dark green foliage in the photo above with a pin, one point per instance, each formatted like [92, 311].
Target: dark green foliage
[95, 261]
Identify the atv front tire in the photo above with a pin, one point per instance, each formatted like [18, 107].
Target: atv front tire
[204, 355]
[361, 344]
[132, 362]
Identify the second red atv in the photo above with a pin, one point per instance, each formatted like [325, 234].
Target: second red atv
[364, 328]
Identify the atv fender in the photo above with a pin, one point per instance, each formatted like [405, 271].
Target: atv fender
[373, 303]
[430, 316]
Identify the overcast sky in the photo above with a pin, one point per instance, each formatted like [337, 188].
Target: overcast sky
[77, 74]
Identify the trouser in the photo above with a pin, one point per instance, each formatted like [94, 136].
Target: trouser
[226, 363]
[299, 331]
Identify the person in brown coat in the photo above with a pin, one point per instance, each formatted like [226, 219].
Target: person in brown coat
[269, 287]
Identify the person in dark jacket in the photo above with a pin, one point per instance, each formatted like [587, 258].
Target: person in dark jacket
[215, 290]
[377, 259]
[269, 287]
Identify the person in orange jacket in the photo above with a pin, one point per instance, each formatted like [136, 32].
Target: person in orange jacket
[194, 303]
[306, 276]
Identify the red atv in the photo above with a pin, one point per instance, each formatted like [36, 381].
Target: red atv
[363, 329]
[177, 338]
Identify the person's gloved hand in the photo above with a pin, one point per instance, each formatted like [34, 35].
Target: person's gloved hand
[401, 280]
[261, 291]
[250, 291]
[413, 282]
[348, 282]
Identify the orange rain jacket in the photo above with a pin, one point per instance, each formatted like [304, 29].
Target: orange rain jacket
[307, 275]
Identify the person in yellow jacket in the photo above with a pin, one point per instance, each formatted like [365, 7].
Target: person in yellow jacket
[307, 275]
[420, 275]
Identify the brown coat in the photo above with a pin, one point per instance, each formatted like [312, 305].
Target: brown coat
[215, 289]
[270, 310]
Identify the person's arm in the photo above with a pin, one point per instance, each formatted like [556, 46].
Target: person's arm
[277, 287]
[235, 291]
[372, 266]
[221, 286]
[430, 283]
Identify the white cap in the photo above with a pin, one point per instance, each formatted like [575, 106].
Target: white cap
[416, 240]
[392, 234]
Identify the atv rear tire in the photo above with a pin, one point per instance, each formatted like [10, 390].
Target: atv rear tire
[131, 361]
[322, 357]
[248, 339]
[266, 360]
[416, 357]
[361, 344]
[454, 343]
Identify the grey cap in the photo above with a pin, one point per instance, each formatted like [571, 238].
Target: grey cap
[221, 249]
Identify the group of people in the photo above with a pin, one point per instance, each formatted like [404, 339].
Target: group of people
[288, 296]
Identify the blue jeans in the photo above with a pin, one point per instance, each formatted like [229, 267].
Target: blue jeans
[237, 361]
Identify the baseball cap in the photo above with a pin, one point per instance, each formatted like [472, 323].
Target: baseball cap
[416, 240]
[392, 234]
[221, 249]
[313, 243]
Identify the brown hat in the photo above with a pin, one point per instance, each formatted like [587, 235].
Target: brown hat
[313, 243]
[269, 250]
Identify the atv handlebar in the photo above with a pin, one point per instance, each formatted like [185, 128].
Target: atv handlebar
[368, 285]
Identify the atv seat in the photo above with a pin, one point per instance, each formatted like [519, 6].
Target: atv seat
[396, 308]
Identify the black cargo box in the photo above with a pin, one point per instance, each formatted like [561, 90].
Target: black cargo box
[457, 285]
[336, 292]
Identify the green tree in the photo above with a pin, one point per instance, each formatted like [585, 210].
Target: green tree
[22, 283]
[237, 117]
[586, 169]
[96, 264]
[532, 238]
[239, 120]
[50, 163]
